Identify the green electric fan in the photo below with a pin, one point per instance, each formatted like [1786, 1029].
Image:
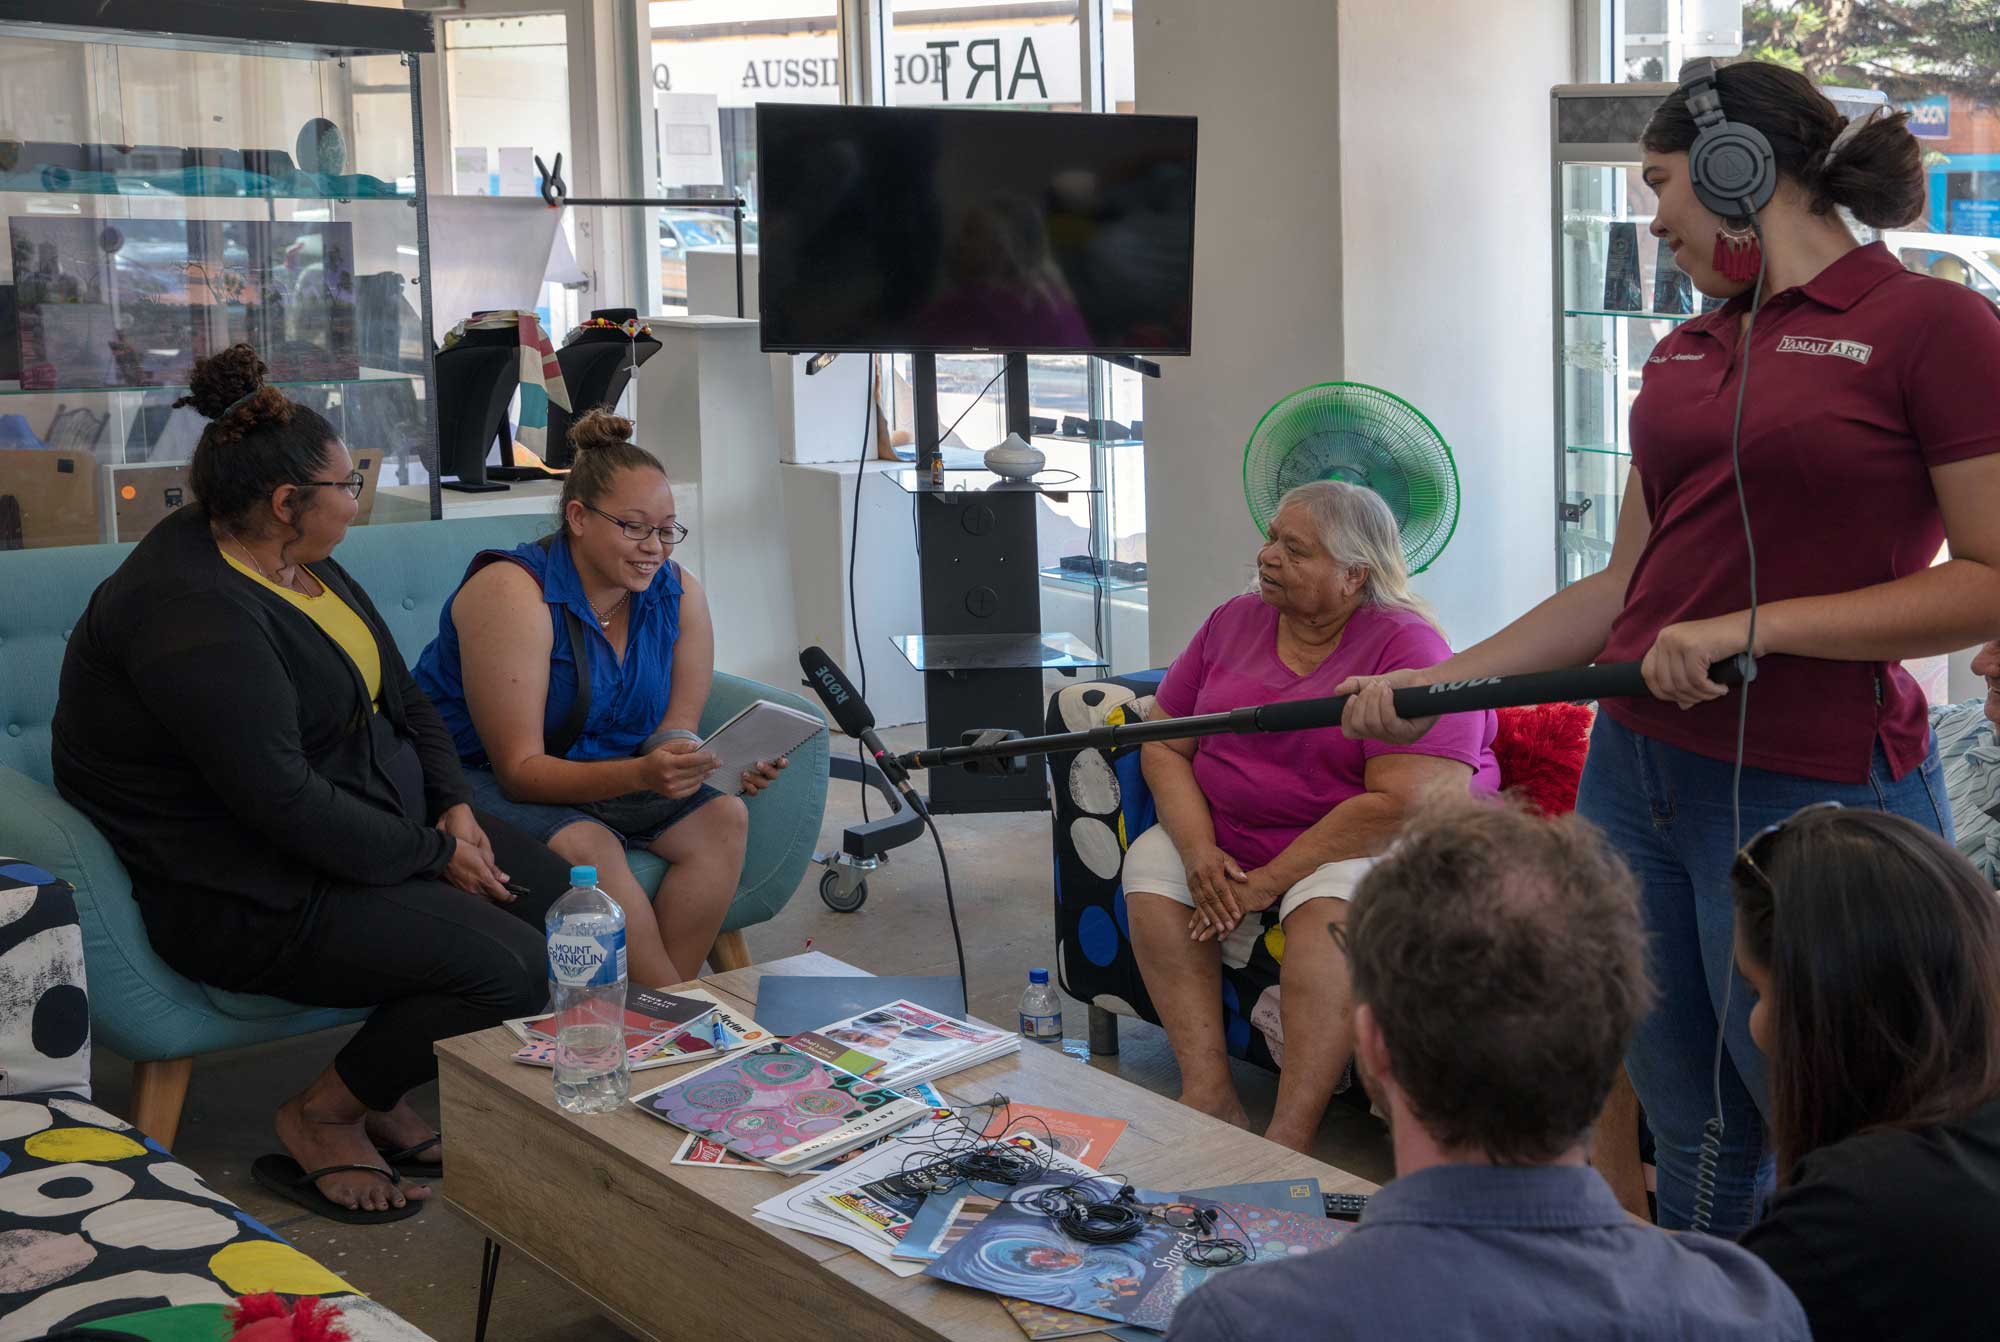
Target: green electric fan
[1364, 436]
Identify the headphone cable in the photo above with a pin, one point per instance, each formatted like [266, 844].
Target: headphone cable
[1713, 1130]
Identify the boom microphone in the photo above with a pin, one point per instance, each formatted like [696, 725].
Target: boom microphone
[851, 714]
[1611, 680]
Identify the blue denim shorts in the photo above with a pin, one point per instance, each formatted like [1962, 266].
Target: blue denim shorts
[545, 821]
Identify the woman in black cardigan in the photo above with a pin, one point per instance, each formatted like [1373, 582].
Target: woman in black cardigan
[236, 719]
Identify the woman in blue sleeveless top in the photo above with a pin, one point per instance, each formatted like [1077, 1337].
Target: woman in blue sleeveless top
[503, 673]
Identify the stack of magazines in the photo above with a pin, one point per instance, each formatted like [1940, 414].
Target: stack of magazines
[792, 1105]
[781, 1108]
[902, 1043]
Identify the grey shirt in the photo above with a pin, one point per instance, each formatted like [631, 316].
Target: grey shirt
[1482, 1252]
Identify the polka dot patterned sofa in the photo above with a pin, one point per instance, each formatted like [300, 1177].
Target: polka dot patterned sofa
[99, 1225]
[1101, 804]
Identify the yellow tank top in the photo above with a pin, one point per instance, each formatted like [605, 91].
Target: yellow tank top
[336, 618]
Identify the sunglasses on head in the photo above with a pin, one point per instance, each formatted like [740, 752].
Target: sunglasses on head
[1751, 857]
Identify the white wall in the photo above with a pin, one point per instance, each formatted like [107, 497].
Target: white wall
[1267, 309]
[1445, 231]
[1372, 205]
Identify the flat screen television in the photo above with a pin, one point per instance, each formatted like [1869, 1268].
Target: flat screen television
[952, 231]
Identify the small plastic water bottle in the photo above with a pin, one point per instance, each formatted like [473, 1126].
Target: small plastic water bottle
[587, 994]
[1041, 1008]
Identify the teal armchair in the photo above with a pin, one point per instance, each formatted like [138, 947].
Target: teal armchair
[143, 1010]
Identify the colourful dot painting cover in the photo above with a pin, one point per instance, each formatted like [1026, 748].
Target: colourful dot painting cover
[1018, 1252]
[780, 1107]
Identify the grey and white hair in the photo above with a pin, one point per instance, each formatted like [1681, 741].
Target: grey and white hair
[1359, 531]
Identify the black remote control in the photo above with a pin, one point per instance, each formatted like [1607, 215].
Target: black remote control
[1346, 1206]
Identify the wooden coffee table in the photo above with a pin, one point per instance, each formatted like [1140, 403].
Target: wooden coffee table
[672, 1252]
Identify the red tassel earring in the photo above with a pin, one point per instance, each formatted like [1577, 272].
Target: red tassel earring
[1737, 255]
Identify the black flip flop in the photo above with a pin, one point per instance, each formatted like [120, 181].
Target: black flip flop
[281, 1174]
[404, 1159]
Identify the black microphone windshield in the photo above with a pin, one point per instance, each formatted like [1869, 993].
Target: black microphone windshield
[842, 700]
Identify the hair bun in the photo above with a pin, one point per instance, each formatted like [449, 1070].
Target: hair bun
[599, 428]
[221, 380]
[230, 387]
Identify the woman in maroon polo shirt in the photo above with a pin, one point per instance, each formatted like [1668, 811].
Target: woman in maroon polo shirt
[1868, 439]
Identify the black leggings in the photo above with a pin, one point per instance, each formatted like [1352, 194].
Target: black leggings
[431, 959]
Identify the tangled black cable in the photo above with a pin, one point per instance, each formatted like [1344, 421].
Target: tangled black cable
[1087, 1217]
[957, 1152]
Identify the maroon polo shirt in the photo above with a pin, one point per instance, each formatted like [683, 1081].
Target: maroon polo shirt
[1861, 381]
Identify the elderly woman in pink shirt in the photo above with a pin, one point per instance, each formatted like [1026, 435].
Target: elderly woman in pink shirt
[1250, 824]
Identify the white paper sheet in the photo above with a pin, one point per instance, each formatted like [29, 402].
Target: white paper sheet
[487, 253]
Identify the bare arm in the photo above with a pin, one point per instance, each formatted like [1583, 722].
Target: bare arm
[1364, 825]
[1168, 768]
[1571, 627]
[505, 639]
[1568, 629]
[1934, 610]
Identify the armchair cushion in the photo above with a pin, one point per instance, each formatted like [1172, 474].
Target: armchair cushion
[141, 1009]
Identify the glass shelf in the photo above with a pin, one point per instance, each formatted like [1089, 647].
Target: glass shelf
[205, 184]
[1635, 316]
[1078, 440]
[365, 375]
[997, 652]
[958, 481]
[1597, 449]
[1077, 578]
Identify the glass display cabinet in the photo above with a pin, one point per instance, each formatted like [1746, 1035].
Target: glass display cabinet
[179, 177]
[1618, 293]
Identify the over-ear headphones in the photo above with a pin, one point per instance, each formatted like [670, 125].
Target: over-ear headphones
[1730, 163]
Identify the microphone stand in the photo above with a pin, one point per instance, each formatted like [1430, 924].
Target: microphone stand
[998, 751]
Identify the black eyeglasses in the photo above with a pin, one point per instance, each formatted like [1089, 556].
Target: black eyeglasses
[1749, 860]
[353, 484]
[673, 533]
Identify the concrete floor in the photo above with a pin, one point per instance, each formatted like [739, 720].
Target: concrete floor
[427, 1267]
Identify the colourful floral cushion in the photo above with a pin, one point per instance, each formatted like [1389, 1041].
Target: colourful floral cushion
[98, 1222]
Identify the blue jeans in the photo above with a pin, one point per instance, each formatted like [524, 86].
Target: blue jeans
[1668, 813]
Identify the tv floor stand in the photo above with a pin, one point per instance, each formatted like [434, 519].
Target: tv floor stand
[982, 650]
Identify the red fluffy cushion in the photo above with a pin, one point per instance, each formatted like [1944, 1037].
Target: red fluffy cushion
[267, 1318]
[1541, 750]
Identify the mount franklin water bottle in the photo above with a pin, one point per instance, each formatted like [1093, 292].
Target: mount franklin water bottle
[1041, 1009]
[587, 994]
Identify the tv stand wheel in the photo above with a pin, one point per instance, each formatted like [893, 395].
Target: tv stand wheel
[842, 891]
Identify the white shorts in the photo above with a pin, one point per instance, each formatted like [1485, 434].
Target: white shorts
[1153, 866]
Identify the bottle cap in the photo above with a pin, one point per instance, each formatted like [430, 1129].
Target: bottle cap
[583, 875]
[1038, 976]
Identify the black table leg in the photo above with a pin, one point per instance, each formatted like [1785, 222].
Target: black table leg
[489, 1277]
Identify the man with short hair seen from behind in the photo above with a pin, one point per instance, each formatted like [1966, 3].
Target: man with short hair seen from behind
[1499, 968]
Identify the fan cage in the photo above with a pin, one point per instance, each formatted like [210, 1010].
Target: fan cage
[1423, 491]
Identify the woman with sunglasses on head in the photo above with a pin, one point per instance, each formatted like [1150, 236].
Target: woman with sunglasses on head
[1867, 439]
[1872, 949]
[625, 771]
[236, 719]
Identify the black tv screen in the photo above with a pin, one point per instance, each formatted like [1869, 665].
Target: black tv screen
[923, 229]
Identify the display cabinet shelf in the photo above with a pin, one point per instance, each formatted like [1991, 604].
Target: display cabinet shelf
[1631, 316]
[179, 178]
[997, 652]
[365, 376]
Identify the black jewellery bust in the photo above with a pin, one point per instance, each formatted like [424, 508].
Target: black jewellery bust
[597, 362]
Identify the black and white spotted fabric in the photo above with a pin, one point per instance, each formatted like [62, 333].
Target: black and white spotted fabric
[44, 1008]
